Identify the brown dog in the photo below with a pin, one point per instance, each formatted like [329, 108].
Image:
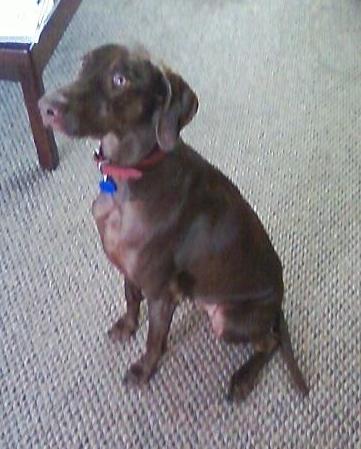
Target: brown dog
[169, 221]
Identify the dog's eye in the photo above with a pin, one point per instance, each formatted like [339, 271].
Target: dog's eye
[118, 80]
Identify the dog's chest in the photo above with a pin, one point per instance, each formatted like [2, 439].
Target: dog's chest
[122, 230]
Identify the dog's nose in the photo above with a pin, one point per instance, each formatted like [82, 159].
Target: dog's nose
[50, 111]
[51, 107]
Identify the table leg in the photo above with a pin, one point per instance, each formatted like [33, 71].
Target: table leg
[33, 88]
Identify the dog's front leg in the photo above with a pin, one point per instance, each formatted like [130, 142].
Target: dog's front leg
[128, 323]
[160, 313]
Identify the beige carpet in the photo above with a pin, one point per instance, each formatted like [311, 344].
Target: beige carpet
[279, 84]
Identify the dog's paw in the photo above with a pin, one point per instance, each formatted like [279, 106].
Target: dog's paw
[137, 375]
[240, 386]
[122, 330]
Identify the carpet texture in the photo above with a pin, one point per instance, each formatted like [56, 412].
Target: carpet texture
[279, 85]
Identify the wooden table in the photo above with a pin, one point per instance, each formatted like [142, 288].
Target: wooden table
[25, 63]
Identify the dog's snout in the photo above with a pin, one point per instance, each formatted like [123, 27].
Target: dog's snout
[52, 104]
[52, 108]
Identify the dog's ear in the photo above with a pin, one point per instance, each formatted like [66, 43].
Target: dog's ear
[180, 106]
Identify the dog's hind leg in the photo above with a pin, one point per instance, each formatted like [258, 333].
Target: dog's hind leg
[266, 334]
[252, 321]
[244, 379]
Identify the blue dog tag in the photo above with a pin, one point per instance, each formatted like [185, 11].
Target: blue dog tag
[107, 185]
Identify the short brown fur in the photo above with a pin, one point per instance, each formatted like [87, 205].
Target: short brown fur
[183, 229]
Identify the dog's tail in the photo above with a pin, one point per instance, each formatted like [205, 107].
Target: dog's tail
[289, 357]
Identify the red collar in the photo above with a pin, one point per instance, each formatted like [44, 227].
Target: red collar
[124, 173]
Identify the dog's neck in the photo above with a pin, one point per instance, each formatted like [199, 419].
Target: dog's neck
[128, 148]
[125, 173]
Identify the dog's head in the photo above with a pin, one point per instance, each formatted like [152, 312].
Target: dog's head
[125, 100]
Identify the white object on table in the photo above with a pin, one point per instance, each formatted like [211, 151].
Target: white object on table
[22, 21]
